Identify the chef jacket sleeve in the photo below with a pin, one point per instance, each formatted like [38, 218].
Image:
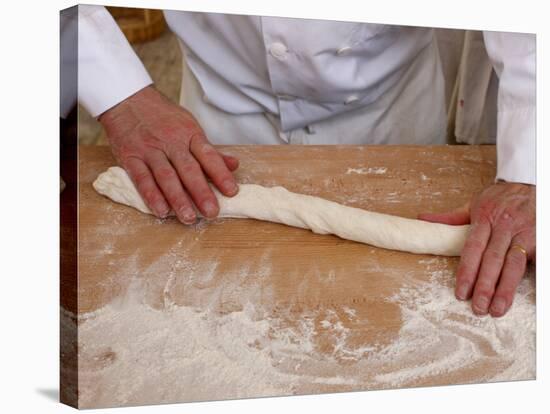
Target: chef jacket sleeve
[68, 61]
[109, 71]
[513, 58]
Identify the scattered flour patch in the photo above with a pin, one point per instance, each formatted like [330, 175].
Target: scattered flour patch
[189, 354]
[351, 313]
[132, 353]
[335, 381]
[435, 323]
[369, 170]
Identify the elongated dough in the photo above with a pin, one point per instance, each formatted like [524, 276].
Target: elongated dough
[319, 215]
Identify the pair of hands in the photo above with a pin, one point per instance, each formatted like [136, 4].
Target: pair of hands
[167, 155]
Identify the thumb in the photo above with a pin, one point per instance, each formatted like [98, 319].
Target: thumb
[458, 216]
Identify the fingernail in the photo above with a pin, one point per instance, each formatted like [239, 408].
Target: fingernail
[209, 208]
[187, 215]
[162, 210]
[462, 291]
[498, 306]
[229, 186]
[481, 304]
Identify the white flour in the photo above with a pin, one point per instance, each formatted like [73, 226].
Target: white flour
[189, 337]
[436, 322]
[364, 170]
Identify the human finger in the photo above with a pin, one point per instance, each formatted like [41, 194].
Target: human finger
[147, 187]
[194, 181]
[513, 271]
[458, 216]
[213, 164]
[169, 182]
[470, 258]
[490, 269]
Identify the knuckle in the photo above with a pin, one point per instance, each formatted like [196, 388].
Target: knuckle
[181, 155]
[207, 149]
[196, 135]
[141, 178]
[505, 225]
[463, 279]
[189, 167]
[464, 270]
[484, 214]
[493, 254]
[515, 259]
[484, 291]
[165, 172]
[151, 195]
[127, 151]
[507, 221]
[485, 287]
[200, 192]
[172, 195]
[145, 188]
[465, 273]
[474, 244]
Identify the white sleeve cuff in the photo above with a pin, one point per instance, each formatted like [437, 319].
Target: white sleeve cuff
[516, 146]
[513, 57]
[109, 71]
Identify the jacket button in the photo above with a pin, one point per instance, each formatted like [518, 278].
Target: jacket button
[343, 50]
[278, 50]
[351, 99]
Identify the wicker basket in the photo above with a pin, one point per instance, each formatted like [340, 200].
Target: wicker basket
[139, 25]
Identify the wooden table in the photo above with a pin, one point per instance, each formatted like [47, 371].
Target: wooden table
[333, 310]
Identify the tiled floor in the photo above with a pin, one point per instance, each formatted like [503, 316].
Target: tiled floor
[162, 58]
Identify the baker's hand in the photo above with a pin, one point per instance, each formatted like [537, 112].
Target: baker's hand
[167, 155]
[500, 242]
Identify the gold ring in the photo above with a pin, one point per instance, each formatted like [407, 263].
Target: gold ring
[521, 249]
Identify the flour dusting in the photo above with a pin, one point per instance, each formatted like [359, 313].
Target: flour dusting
[364, 170]
[437, 323]
[186, 331]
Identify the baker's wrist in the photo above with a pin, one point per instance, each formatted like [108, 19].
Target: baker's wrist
[147, 93]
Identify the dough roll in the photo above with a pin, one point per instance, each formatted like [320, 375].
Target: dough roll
[319, 215]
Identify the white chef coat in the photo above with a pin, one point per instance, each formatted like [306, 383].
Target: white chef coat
[304, 71]
[413, 108]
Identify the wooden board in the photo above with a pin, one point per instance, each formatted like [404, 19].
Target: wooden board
[346, 294]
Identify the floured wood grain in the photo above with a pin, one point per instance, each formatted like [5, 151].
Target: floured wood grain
[309, 313]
